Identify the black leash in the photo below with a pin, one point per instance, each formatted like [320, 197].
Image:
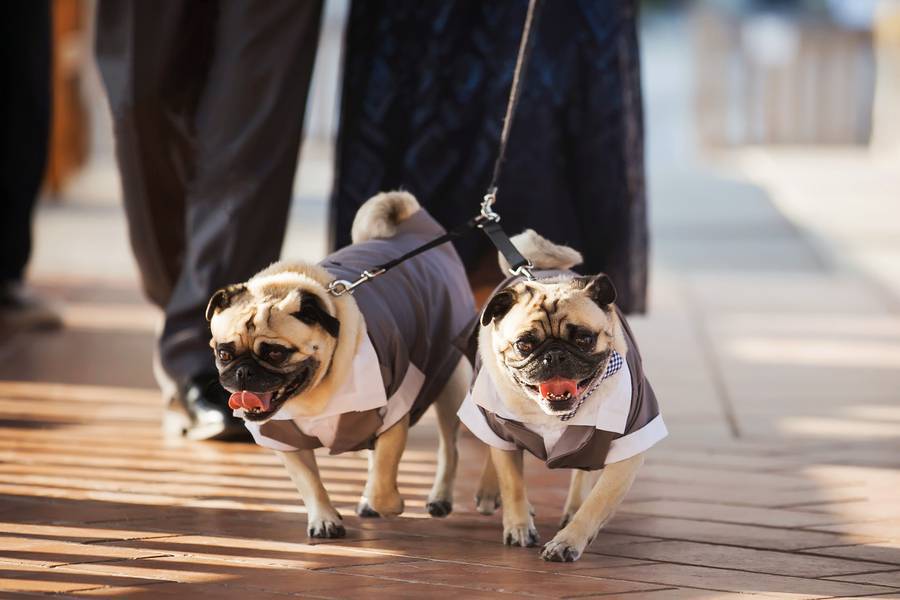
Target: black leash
[488, 220]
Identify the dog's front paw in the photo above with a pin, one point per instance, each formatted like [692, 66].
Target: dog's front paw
[326, 527]
[560, 552]
[520, 534]
[562, 549]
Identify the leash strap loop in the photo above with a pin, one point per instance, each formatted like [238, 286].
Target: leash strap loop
[518, 264]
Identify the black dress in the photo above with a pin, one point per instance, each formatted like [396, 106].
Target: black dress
[425, 89]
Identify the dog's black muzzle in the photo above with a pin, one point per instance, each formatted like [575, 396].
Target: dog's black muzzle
[245, 374]
[556, 357]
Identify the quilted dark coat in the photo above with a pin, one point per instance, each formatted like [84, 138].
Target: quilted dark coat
[425, 89]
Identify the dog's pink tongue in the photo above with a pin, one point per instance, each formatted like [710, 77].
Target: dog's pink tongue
[558, 387]
[248, 400]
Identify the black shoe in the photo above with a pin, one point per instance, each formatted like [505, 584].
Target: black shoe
[199, 411]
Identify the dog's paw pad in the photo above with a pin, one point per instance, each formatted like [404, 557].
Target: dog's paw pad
[367, 512]
[523, 536]
[487, 505]
[326, 529]
[560, 552]
[439, 508]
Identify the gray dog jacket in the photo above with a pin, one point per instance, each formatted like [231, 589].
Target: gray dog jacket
[415, 315]
[619, 419]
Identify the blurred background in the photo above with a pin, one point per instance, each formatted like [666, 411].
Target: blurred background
[773, 163]
[769, 91]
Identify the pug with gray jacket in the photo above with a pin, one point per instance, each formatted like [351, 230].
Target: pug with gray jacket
[309, 369]
[559, 375]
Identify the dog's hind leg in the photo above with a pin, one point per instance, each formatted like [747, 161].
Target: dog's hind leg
[440, 499]
[381, 498]
[579, 487]
[323, 521]
[487, 498]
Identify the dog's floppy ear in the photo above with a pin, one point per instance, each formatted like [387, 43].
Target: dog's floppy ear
[311, 312]
[222, 299]
[601, 290]
[498, 306]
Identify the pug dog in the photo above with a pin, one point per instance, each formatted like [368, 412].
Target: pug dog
[559, 375]
[310, 368]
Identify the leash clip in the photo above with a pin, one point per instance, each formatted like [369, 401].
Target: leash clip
[339, 287]
[487, 210]
[524, 271]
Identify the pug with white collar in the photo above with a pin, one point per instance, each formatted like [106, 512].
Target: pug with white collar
[559, 375]
[310, 369]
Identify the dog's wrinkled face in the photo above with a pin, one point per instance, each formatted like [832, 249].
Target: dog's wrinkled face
[271, 344]
[552, 338]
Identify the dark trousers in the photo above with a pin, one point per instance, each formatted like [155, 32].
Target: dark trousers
[207, 99]
[26, 127]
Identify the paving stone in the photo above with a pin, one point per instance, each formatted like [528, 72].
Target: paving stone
[739, 581]
[757, 496]
[769, 538]
[746, 559]
[888, 578]
[178, 590]
[688, 594]
[46, 553]
[24, 578]
[249, 583]
[510, 581]
[253, 551]
[712, 511]
[889, 529]
[884, 552]
[412, 591]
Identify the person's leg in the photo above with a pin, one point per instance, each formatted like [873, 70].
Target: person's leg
[26, 65]
[248, 128]
[153, 58]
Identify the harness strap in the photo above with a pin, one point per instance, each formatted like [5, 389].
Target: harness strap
[339, 287]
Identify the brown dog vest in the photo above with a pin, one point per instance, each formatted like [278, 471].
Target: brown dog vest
[620, 419]
[414, 316]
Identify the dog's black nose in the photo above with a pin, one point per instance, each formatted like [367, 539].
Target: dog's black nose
[554, 358]
[244, 375]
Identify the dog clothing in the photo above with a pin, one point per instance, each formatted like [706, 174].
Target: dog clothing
[415, 316]
[619, 419]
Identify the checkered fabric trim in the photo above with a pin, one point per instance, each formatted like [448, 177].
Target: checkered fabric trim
[613, 366]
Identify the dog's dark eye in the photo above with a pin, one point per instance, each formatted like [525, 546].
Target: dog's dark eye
[224, 355]
[585, 341]
[274, 355]
[525, 346]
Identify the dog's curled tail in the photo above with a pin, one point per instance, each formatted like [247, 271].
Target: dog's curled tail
[542, 253]
[379, 216]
